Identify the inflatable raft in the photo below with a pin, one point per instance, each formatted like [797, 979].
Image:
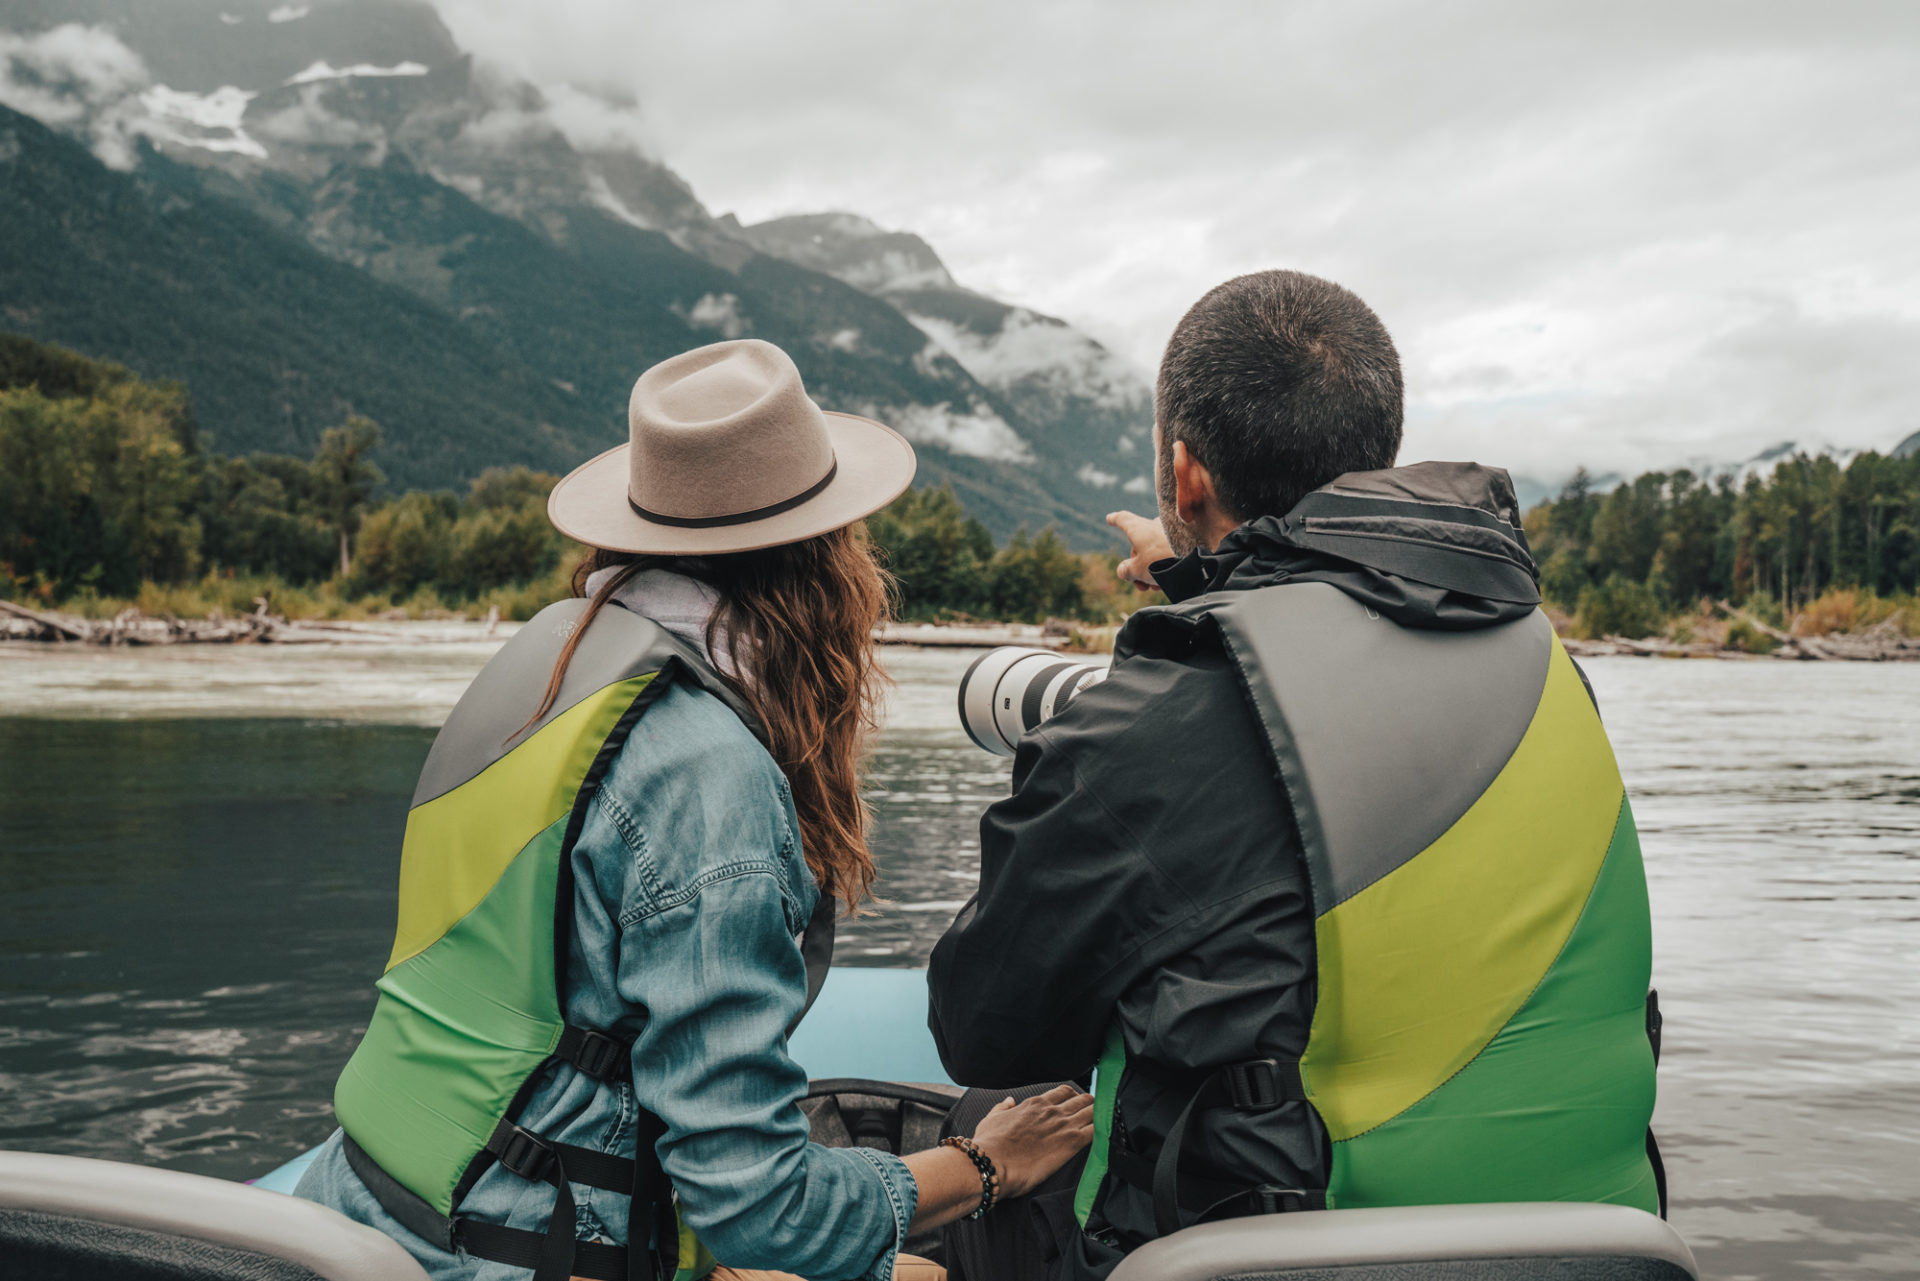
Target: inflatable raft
[878, 1082]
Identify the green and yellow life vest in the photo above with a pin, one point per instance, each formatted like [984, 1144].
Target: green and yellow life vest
[1481, 1029]
[470, 1008]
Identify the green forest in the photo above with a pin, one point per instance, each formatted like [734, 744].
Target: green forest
[1813, 546]
[109, 499]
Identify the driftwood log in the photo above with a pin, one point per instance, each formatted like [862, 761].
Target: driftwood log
[41, 626]
[1883, 642]
[131, 627]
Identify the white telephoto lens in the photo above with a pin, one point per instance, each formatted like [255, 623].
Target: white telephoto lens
[1010, 690]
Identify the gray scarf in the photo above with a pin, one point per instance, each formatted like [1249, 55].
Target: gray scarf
[678, 602]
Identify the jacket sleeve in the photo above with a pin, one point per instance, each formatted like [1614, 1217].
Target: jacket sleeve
[1070, 910]
[707, 949]
[713, 1059]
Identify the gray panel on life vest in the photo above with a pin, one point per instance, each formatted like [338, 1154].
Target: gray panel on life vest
[486, 723]
[1383, 735]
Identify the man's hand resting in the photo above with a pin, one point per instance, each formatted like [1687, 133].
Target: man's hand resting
[1148, 544]
[1029, 1141]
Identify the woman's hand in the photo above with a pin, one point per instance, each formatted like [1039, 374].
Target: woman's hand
[1149, 543]
[1028, 1141]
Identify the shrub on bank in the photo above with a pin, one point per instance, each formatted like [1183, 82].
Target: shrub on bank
[1846, 609]
[1748, 639]
[1619, 607]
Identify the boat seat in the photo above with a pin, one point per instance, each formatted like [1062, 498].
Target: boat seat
[852, 1112]
[893, 1117]
[1524, 1241]
[69, 1217]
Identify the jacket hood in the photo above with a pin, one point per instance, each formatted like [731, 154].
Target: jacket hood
[1435, 545]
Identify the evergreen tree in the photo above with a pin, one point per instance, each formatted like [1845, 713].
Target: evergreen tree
[345, 478]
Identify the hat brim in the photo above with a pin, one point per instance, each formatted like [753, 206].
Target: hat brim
[873, 466]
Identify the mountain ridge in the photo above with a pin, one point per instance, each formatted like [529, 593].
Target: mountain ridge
[379, 144]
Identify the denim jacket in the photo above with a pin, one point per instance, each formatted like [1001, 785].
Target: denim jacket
[689, 891]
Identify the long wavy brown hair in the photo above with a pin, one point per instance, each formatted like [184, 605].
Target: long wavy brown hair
[798, 620]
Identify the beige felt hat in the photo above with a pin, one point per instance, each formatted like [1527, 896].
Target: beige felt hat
[727, 453]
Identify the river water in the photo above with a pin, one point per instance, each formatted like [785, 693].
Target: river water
[198, 851]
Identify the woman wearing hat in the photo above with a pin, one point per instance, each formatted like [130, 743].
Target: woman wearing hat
[619, 880]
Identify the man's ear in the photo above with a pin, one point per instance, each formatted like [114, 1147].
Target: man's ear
[1192, 488]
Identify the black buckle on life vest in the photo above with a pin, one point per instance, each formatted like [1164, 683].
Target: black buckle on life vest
[598, 1054]
[1271, 1200]
[1257, 1084]
[526, 1155]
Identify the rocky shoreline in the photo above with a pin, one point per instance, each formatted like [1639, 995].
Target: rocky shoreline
[130, 627]
[1884, 642]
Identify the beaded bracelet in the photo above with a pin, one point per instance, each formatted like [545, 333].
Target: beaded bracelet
[989, 1177]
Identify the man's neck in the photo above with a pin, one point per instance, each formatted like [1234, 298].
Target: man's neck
[1213, 529]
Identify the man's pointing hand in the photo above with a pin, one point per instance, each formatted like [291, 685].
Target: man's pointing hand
[1148, 544]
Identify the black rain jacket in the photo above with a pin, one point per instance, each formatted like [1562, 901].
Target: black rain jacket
[1146, 869]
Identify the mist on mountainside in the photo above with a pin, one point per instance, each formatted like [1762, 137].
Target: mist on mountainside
[308, 211]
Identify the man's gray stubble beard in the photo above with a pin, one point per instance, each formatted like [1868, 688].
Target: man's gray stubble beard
[1179, 536]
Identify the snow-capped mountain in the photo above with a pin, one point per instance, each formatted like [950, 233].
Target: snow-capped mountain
[1054, 375]
[359, 128]
[1763, 463]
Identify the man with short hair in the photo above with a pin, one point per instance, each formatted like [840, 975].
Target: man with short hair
[1334, 877]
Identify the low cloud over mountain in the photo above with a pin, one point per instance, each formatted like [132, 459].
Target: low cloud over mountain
[532, 223]
[1583, 223]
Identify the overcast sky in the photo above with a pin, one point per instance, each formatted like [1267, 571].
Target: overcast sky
[1627, 234]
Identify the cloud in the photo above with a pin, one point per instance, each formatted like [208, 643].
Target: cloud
[591, 123]
[719, 312]
[977, 432]
[1034, 350]
[307, 121]
[601, 193]
[932, 361]
[896, 269]
[1778, 371]
[85, 80]
[290, 13]
[505, 126]
[76, 77]
[1138, 485]
[1091, 475]
[1564, 213]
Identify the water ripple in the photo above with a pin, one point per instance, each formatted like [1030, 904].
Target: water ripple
[189, 957]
